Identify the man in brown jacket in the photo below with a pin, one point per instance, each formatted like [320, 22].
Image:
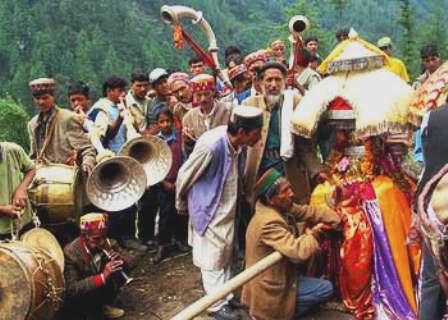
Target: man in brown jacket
[278, 148]
[279, 292]
[55, 134]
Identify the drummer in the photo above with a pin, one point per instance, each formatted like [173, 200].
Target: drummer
[55, 134]
[16, 173]
[92, 272]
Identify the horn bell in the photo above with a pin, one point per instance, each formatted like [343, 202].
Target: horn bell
[153, 154]
[169, 15]
[116, 183]
[298, 24]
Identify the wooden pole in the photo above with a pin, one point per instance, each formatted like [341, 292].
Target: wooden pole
[200, 305]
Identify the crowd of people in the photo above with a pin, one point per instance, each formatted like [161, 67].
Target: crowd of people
[239, 186]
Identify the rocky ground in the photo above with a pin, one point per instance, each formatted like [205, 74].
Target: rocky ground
[161, 291]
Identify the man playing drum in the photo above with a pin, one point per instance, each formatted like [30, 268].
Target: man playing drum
[55, 134]
[16, 173]
[92, 272]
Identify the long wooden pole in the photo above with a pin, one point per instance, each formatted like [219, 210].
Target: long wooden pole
[200, 305]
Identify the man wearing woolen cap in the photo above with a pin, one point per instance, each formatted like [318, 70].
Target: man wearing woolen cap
[158, 79]
[214, 169]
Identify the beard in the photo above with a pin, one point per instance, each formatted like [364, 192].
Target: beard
[273, 99]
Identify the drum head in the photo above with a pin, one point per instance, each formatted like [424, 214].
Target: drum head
[15, 287]
[44, 240]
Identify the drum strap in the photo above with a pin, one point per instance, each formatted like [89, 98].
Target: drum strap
[48, 137]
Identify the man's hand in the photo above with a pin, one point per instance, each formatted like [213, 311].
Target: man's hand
[87, 169]
[11, 211]
[153, 129]
[188, 136]
[111, 267]
[19, 198]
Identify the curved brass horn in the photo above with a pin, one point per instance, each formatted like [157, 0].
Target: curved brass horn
[298, 24]
[152, 153]
[116, 183]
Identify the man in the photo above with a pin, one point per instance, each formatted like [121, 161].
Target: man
[208, 113]
[278, 51]
[306, 78]
[55, 134]
[108, 117]
[342, 34]
[92, 272]
[16, 173]
[158, 79]
[241, 82]
[312, 45]
[431, 62]
[180, 87]
[214, 168]
[197, 66]
[294, 156]
[253, 62]
[79, 97]
[279, 292]
[136, 99]
[395, 65]
[435, 154]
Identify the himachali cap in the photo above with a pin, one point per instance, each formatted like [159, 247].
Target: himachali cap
[42, 85]
[260, 55]
[93, 223]
[277, 43]
[263, 187]
[176, 77]
[236, 71]
[203, 82]
[247, 116]
[273, 65]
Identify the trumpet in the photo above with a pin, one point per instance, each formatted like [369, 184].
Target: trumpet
[126, 278]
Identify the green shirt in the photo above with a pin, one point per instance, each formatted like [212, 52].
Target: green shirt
[14, 163]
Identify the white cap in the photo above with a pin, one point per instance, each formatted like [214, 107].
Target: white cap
[156, 74]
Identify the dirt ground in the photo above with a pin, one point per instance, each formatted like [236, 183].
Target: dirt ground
[161, 291]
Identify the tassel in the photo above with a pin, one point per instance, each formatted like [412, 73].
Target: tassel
[177, 37]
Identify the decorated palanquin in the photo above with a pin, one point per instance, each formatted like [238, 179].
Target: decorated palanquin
[432, 94]
[366, 107]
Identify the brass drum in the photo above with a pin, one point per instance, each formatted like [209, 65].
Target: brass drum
[31, 285]
[44, 240]
[52, 193]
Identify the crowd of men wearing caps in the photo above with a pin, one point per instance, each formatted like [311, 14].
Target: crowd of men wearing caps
[230, 149]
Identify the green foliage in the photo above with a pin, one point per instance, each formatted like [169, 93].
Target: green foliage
[13, 122]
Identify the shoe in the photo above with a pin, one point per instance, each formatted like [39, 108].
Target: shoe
[160, 255]
[182, 247]
[112, 312]
[133, 244]
[152, 246]
[234, 304]
[225, 313]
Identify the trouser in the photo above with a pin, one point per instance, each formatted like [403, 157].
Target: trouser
[122, 224]
[311, 292]
[89, 306]
[170, 223]
[147, 212]
[430, 292]
[213, 280]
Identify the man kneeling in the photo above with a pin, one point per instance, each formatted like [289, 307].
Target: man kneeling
[92, 266]
[279, 292]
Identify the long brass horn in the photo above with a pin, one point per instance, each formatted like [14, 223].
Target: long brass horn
[151, 152]
[116, 183]
[172, 15]
[298, 24]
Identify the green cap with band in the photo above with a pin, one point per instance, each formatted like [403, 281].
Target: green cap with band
[247, 116]
[266, 181]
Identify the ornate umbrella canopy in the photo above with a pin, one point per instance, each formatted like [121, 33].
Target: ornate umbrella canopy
[432, 94]
[357, 75]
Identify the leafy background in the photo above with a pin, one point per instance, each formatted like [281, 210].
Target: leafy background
[88, 40]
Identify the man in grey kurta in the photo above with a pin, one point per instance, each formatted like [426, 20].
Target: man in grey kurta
[207, 186]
